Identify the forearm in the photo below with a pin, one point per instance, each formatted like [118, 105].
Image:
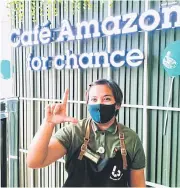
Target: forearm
[137, 178]
[38, 149]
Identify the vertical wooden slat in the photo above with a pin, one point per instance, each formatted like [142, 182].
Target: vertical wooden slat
[24, 110]
[72, 73]
[94, 15]
[118, 75]
[134, 72]
[176, 103]
[178, 151]
[161, 117]
[140, 96]
[124, 6]
[167, 138]
[154, 86]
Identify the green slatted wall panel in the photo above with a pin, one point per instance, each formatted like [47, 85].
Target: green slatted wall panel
[163, 149]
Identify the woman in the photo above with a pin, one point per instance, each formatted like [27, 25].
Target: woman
[99, 151]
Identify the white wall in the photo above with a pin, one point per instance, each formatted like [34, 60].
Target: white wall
[6, 89]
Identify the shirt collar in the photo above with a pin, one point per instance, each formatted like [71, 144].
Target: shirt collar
[112, 129]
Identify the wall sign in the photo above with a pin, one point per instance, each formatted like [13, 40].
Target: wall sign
[168, 17]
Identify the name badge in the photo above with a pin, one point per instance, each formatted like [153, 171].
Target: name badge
[101, 150]
[92, 156]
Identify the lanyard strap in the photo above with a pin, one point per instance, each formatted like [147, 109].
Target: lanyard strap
[86, 139]
[123, 148]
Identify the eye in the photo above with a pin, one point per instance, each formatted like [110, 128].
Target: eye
[107, 99]
[94, 100]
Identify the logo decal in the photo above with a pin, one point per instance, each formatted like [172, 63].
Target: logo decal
[116, 174]
[169, 62]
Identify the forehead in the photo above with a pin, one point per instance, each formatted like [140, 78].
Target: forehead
[100, 90]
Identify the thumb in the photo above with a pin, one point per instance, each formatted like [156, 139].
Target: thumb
[70, 119]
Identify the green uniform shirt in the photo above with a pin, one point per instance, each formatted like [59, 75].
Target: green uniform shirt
[72, 137]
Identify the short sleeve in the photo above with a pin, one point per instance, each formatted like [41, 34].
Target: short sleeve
[64, 135]
[138, 161]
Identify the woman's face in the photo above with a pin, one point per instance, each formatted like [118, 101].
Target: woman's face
[101, 94]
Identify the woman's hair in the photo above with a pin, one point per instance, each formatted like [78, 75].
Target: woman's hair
[117, 93]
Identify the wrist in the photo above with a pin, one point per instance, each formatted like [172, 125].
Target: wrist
[46, 121]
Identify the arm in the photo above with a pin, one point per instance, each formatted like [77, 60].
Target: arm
[44, 150]
[137, 178]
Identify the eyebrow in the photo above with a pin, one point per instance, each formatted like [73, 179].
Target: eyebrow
[105, 96]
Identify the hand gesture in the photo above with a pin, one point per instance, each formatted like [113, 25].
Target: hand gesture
[56, 113]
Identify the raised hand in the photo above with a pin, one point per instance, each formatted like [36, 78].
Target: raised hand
[56, 113]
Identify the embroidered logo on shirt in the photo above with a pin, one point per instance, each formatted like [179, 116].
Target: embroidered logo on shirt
[116, 174]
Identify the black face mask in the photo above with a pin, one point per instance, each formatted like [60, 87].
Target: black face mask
[102, 113]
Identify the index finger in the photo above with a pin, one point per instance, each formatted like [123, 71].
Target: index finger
[65, 97]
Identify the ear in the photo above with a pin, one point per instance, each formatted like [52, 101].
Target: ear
[117, 107]
[86, 96]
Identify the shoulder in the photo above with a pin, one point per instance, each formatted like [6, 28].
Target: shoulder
[72, 130]
[80, 126]
[79, 129]
[133, 143]
[71, 135]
